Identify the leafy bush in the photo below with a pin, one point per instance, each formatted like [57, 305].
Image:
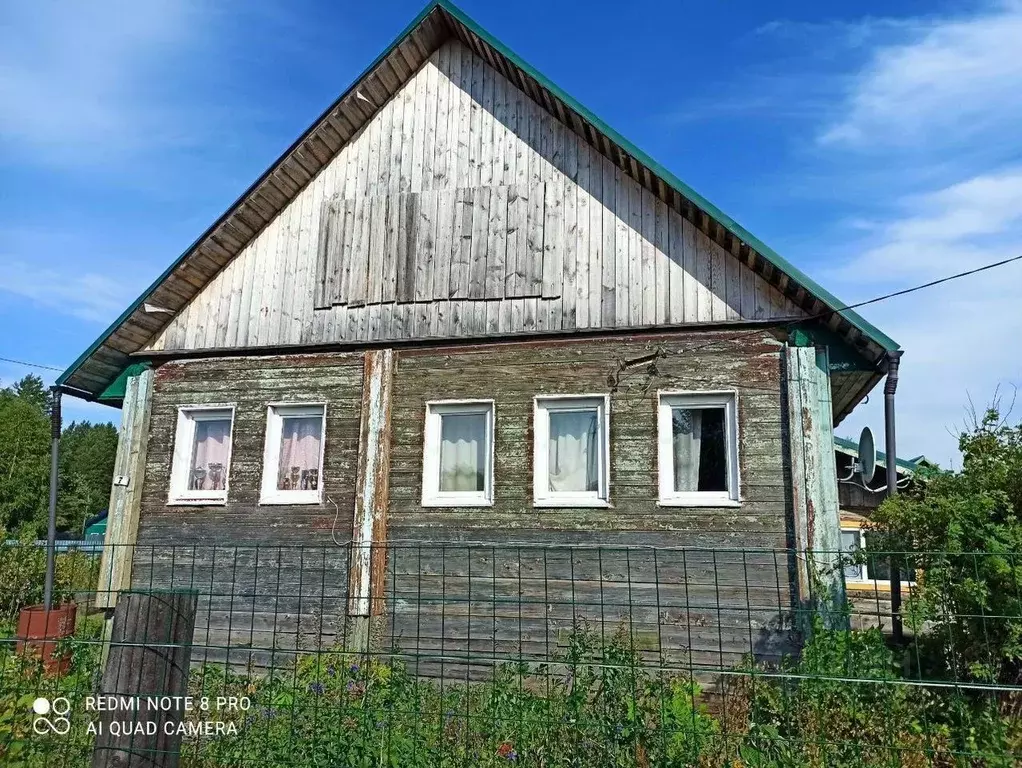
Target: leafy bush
[23, 573]
[963, 533]
[591, 707]
[844, 703]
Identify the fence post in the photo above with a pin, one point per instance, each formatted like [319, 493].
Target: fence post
[150, 650]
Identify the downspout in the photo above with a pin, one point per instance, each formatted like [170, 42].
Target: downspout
[51, 528]
[890, 388]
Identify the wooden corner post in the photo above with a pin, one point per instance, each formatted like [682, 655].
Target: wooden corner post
[372, 496]
[126, 490]
[816, 517]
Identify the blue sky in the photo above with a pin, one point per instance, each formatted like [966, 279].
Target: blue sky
[876, 145]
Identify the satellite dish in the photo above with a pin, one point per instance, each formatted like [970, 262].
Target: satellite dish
[867, 455]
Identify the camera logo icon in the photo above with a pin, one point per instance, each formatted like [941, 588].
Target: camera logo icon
[51, 716]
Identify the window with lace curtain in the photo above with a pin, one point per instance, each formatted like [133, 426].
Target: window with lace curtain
[571, 454]
[457, 467]
[202, 454]
[698, 449]
[293, 458]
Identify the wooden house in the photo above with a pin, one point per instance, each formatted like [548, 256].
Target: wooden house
[462, 308]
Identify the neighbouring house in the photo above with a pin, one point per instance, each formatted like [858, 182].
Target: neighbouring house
[462, 308]
[868, 583]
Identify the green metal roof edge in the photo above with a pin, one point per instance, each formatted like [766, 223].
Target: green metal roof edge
[852, 447]
[62, 379]
[116, 389]
[730, 224]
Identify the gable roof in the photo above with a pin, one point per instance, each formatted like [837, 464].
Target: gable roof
[107, 357]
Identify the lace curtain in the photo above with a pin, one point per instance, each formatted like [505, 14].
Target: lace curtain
[298, 469]
[209, 455]
[463, 452]
[687, 426]
[574, 451]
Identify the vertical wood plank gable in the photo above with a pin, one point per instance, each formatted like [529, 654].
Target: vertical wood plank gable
[496, 249]
[461, 247]
[480, 223]
[516, 248]
[578, 243]
[324, 293]
[406, 247]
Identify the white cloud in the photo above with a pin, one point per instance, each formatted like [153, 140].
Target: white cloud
[76, 78]
[945, 83]
[949, 230]
[86, 295]
[919, 142]
[962, 339]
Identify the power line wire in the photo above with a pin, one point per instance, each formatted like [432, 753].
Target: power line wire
[30, 365]
[874, 300]
[927, 285]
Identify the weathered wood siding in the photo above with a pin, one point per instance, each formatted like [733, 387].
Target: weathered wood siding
[701, 598]
[707, 607]
[267, 574]
[459, 138]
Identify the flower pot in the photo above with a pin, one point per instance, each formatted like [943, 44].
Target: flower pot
[39, 631]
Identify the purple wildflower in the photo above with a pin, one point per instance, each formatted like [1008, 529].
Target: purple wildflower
[354, 669]
[331, 671]
[316, 688]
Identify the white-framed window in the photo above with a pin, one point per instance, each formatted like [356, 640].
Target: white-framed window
[293, 454]
[457, 461]
[698, 449]
[873, 569]
[571, 460]
[200, 468]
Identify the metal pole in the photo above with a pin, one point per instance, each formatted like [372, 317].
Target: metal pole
[890, 388]
[51, 528]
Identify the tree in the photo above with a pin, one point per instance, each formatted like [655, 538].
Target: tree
[87, 453]
[24, 454]
[963, 533]
[86, 463]
[32, 390]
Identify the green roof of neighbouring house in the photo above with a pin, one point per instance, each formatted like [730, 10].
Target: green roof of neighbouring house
[851, 448]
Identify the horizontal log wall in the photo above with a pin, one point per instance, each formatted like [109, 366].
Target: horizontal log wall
[620, 258]
[253, 592]
[707, 608]
[733, 602]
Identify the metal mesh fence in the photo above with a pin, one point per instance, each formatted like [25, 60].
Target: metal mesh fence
[497, 654]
